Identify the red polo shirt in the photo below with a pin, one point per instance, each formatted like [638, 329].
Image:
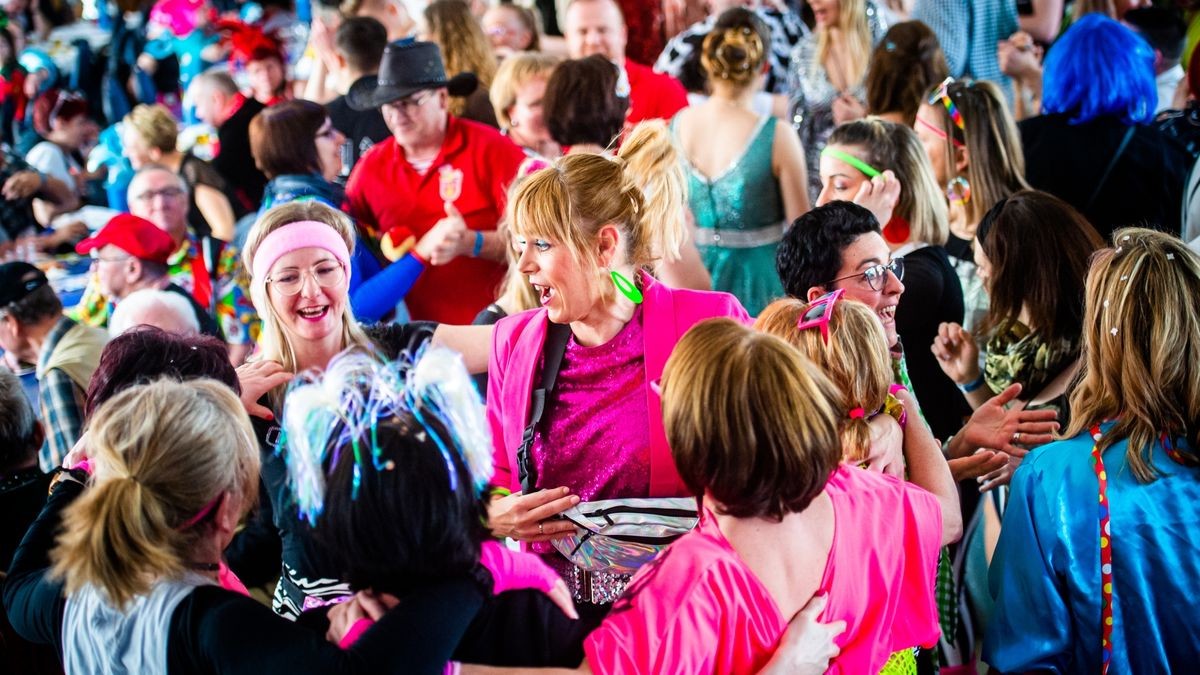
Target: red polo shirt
[652, 95]
[384, 190]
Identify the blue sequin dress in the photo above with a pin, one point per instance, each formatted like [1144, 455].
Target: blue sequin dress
[739, 217]
[1045, 576]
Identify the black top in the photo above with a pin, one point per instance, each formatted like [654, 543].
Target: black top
[234, 161]
[196, 172]
[488, 316]
[299, 552]
[218, 631]
[208, 325]
[1145, 187]
[363, 129]
[22, 495]
[932, 295]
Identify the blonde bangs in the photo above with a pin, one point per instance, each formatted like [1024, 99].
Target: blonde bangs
[541, 209]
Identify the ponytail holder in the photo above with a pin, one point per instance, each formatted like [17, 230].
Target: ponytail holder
[857, 413]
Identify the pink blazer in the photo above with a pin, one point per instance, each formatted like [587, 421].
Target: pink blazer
[515, 363]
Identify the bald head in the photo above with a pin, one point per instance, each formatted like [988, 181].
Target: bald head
[595, 27]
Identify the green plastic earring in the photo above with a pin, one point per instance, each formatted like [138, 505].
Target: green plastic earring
[626, 287]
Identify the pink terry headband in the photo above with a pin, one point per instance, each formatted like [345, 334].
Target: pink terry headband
[295, 236]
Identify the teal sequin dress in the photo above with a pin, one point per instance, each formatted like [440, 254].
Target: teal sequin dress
[739, 216]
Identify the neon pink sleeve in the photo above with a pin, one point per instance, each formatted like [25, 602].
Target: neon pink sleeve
[917, 617]
[514, 570]
[356, 630]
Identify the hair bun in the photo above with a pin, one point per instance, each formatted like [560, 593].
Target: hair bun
[733, 54]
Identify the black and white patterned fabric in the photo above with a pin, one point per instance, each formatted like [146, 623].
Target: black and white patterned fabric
[786, 31]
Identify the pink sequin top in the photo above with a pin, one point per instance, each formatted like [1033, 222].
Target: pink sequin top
[595, 436]
[698, 608]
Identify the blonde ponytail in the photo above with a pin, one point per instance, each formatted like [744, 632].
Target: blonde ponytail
[163, 453]
[652, 162]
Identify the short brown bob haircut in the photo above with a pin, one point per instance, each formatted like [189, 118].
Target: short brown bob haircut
[283, 138]
[581, 103]
[749, 420]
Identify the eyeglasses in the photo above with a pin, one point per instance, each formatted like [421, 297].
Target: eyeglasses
[408, 105]
[290, 281]
[165, 193]
[876, 275]
[819, 313]
[942, 95]
[938, 132]
[97, 258]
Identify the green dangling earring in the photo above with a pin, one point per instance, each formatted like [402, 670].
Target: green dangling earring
[626, 287]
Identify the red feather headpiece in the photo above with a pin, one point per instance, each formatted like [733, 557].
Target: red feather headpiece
[248, 42]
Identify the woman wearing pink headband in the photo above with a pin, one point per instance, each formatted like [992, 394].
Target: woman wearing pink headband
[298, 256]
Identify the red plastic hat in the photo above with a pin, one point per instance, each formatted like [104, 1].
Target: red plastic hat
[247, 42]
[138, 237]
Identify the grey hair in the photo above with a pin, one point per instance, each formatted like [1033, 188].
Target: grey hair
[132, 310]
[16, 420]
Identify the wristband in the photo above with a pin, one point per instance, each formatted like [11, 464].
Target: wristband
[417, 256]
[972, 386]
[499, 492]
[478, 244]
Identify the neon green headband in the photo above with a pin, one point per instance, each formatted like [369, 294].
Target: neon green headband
[867, 170]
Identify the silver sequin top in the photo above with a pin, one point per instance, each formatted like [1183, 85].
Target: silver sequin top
[810, 105]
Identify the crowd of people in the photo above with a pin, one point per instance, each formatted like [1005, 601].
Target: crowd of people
[600, 336]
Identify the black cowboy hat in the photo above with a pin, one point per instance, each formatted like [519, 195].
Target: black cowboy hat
[407, 67]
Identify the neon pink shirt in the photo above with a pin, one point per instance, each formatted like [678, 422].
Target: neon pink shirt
[699, 608]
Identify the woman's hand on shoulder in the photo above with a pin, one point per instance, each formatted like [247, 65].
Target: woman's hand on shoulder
[257, 378]
[530, 517]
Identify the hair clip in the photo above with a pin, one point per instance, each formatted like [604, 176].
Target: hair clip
[857, 413]
[1124, 277]
[1105, 304]
[1170, 256]
[1114, 332]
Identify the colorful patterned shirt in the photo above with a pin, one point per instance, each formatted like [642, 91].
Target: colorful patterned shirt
[235, 311]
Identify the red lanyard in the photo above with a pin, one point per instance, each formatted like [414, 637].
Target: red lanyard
[1106, 577]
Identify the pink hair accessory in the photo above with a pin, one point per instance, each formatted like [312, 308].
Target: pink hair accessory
[208, 508]
[858, 413]
[295, 236]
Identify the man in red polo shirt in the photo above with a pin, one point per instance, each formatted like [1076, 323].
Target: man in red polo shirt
[436, 171]
[598, 27]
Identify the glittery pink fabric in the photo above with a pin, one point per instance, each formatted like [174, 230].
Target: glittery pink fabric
[595, 437]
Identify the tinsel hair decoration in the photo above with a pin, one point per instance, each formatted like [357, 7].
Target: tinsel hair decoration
[340, 409]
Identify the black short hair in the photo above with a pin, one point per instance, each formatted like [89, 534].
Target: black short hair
[40, 305]
[361, 40]
[811, 251]
[581, 104]
[1162, 28]
[407, 527]
[18, 424]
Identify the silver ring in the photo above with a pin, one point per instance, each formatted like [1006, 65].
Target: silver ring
[1017, 437]
[540, 529]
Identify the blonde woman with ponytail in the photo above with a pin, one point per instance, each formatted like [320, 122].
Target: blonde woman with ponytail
[746, 178]
[131, 586]
[1099, 540]
[582, 231]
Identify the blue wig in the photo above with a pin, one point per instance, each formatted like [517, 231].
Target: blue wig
[1100, 68]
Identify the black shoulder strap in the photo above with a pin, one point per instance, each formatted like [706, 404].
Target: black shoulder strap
[1111, 164]
[553, 349]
